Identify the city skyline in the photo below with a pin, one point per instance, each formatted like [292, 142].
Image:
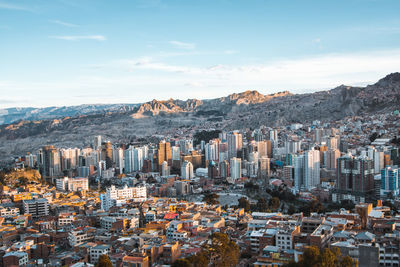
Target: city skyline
[66, 53]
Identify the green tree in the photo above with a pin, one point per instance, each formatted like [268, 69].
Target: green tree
[211, 198]
[244, 204]
[274, 203]
[181, 263]
[104, 261]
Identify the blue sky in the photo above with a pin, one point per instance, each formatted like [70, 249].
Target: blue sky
[70, 52]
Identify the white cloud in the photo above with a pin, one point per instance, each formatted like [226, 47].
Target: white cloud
[194, 84]
[4, 5]
[230, 52]
[142, 79]
[318, 72]
[182, 45]
[80, 37]
[66, 24]
[316, 40]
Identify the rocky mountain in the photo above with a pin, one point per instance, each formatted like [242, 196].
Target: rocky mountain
[247, 109]
[10, 115]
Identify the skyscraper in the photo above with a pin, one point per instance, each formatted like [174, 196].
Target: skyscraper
[107, 154]
[307, 170]
[331, 157]
[355, 178]
[187, 170]
[50, 165]
[234, 144]
[164, 154]
[235, 168]
[390, 181]
[97, 142]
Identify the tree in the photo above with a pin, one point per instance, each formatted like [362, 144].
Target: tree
[328, 258]
[316, 206]
[291, 209]
[211, 198]
[244, 204]
[311, 257]
[347, 261]
[104, 261]
[224, 250]
[274, 203]
[262, 205]
[373, 136]
[199, 260]
[181, 263]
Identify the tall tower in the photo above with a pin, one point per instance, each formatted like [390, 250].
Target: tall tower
[164, 154]
[107, 154]
[236, 168]
[50, 162]
[234, 144]
[97, 142]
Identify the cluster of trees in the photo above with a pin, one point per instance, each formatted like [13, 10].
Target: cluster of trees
[261, 206]
[250, 186]
[221, 252]
[211, 198]
[205, 135]
[313, 257]
[104, 261]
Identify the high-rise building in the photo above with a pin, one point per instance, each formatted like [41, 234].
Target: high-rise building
[211, 150]
[50, 165]
[235, 144]
[164, 154]
[307, 170]
[224, 169]
[107, 154]
[390, 181]
[235, 168]
[97, 142]
[187, 170]
[331, 157]
[263, 167]
[273, 136]
[165, 169]
[355, 178]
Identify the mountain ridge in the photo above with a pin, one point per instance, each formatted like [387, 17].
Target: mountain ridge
[248, 109]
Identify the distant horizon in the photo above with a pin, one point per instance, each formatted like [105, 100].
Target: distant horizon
[73, 52]
[361, 84]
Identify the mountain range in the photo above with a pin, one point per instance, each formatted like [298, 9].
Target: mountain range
[26, 129]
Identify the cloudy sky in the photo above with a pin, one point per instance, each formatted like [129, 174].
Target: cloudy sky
[70, 52]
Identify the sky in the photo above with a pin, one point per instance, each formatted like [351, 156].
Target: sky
[71, 52]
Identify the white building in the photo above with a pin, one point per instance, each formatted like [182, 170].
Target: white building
[307, 170]
[235, 167]
[77, 237]
[36, 207]
[187, 170]
[97, 251]
[9, 211]
[235, 144]
[116, 197]
[72, 184]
